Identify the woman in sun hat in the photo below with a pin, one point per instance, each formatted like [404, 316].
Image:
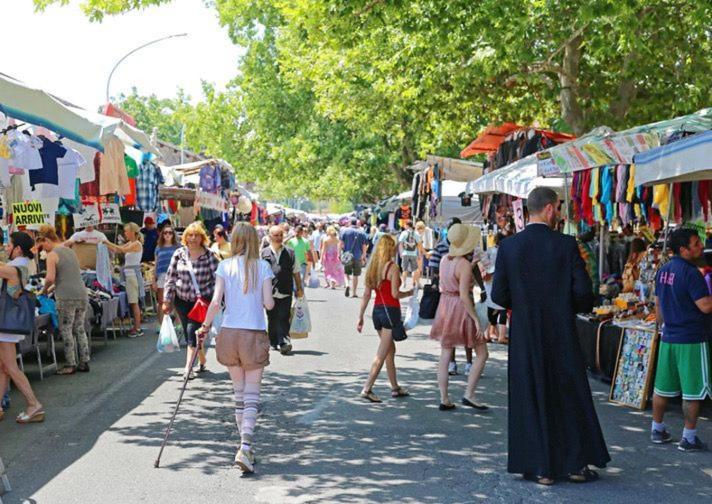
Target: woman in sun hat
[456, 322]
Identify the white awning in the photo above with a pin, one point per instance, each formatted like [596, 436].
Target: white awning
[457, 170]
[517, 179]
[686, 160]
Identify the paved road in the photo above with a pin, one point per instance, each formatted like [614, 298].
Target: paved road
[316, 441]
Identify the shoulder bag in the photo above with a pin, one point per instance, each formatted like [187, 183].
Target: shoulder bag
[347, 256]
[200, 308]
[17, 313]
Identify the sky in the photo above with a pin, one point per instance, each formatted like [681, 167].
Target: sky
[61, 51]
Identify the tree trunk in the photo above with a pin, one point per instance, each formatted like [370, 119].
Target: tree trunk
[570, 108]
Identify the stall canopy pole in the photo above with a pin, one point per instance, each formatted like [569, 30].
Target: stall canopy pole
[566, 196]
[669, 216]
[602, 224]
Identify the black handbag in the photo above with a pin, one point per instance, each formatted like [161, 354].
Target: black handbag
[397, 330]
[17, 313]
[429, 302]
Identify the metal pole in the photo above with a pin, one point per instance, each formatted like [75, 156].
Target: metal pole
[600, 250]
[669, 217]
[182, 141]
[566, 199]
[108, 81]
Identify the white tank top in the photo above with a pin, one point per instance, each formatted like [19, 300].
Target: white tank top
[133, 258]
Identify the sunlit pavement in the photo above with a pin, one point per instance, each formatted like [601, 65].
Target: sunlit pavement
[316, 440]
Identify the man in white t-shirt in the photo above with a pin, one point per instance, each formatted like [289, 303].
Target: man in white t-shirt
[88, 235]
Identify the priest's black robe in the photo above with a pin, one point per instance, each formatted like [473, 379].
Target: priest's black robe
[553, 427]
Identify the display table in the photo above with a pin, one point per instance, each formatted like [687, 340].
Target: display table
[599, 344]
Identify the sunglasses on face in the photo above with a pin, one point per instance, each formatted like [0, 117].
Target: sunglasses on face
[167, 232]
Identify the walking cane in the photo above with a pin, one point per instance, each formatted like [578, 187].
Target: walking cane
[180, 398]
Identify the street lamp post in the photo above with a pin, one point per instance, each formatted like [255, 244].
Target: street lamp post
[108, 81]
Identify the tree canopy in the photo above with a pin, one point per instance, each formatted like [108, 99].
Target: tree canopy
[338, 97]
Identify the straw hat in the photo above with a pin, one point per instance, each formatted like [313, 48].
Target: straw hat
[463, 239]
[244, 205]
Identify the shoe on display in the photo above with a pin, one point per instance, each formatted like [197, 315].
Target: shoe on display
[660, 437]
[452, 369]
[686, 446]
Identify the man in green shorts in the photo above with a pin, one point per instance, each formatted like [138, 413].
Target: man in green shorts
[683, 305]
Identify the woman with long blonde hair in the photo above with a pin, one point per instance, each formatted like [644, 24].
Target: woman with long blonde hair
[383, 278]
[244, 282]
[131, 272]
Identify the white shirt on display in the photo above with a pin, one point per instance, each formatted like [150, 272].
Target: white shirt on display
[85, 236]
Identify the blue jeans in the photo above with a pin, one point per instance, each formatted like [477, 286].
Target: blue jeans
[5, 404]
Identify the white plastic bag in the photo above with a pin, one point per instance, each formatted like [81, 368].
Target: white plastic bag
[313, 280]
[412, 312]
[301, 320]
[167, 337]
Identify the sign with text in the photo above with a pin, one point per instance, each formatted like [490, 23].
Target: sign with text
[29, 213]
[89, 216]
[518, 207]
[211, 201]
[110, 213]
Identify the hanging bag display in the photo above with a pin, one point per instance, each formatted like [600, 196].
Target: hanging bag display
[200, 308]
[17, 313]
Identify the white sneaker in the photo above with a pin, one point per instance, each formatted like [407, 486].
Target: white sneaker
[468, 366]
[245, 461]
[452, 369]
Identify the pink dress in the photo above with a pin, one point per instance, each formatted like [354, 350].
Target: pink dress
[333, 269]
[452, 326]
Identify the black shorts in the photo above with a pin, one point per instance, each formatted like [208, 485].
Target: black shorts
[190, 327]
[385, 317]
[497, 317]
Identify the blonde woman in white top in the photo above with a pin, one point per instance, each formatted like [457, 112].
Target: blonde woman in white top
[132, 251]
[244, 282]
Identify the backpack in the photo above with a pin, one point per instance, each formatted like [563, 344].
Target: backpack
[410, 244]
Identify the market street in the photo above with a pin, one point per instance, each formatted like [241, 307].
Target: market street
[316, 440]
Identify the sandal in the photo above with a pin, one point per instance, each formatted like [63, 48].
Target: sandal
[471, 404]
[585, 475]
[190, 375]
[399, 392]
[446, 407]
[201, 369]
[67, 370]
[539, 480]
[370, 396]
[36, 417]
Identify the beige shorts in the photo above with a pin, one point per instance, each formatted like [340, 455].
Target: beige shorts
[242, 347]
[132, 288]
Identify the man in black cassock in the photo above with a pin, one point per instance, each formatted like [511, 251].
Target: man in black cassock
[539, 274]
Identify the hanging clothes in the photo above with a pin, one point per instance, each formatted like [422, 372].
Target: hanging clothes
[148, 181]
[661, 198]
[703, 193]
[630, 191]
[103, 267]
[112, 170]
[607, 192]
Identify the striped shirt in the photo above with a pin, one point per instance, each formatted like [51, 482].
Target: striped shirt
[163, 258]
[437, 254]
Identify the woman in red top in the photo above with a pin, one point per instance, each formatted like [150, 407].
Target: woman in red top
[383, 278]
